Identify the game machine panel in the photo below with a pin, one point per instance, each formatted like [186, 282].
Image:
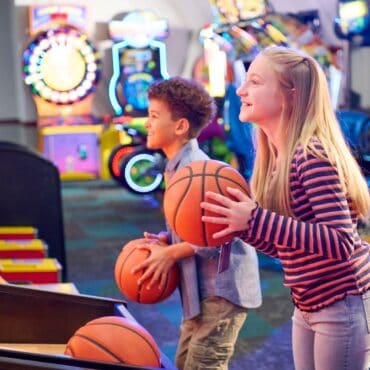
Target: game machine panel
[139, 58]
[302, 32]
[353, 24]
[353, 21]
[62, 68]
[226, 45]
[43, 321]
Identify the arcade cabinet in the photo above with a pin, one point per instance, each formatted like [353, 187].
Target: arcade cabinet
[353, 25]
[240, 30]
[62, 68]
[139, 59]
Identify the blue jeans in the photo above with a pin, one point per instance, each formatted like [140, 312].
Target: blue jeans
[336, 337]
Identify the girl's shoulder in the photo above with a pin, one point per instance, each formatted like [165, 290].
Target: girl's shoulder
[310, 157]
[313, 148]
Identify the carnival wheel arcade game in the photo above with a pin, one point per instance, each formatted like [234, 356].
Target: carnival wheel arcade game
[62, 68]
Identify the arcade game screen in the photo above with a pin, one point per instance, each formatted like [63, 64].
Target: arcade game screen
[232, 11]
[354, 16]
[138, 67]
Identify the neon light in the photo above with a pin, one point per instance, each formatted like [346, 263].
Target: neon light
[162, 57]
[115, 76]
[142, 189]
[54, 52]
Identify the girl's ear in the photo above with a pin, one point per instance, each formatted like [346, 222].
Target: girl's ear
[182, 126]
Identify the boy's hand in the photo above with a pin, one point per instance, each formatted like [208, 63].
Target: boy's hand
[157, 265]
[162, 236]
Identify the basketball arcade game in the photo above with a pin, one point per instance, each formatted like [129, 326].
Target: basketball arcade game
[62, 68]
[42, 323]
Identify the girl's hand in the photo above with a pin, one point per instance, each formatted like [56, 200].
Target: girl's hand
[233, 214]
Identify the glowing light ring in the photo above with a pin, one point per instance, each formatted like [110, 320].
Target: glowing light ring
[50, 41]
[143, 157]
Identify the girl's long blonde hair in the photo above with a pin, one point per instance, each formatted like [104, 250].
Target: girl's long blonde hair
[308, 114]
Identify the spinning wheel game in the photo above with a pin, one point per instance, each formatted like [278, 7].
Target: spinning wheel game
[62, 68]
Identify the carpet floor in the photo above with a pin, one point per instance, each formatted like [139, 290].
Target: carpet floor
[100, 217]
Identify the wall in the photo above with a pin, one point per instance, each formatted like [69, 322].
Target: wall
[8, 101]
[185, 19]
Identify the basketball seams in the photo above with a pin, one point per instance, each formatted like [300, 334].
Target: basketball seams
[173, 183]
[181, 199]
[123, 265]
[69, 350]
[187, 191]
[165, 285]
[126, 327]
[141, 287]
[204, 231]
[101, 347]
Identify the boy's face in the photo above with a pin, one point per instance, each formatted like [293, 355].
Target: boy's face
[163, 132]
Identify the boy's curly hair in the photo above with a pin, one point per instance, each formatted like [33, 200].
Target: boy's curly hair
[185, 98]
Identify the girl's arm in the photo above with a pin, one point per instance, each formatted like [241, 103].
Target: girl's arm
[329, 232]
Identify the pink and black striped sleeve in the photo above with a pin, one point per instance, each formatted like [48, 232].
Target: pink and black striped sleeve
[323, 224]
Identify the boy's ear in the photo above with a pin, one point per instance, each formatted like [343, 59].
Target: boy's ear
[182, 126]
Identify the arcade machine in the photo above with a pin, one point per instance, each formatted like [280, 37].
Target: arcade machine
[245, 27]
[139, 58]
[62, 68]
[43, 321]
[227, 48]
[353, 24]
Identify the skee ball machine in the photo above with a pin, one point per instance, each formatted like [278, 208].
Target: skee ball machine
[62, 68]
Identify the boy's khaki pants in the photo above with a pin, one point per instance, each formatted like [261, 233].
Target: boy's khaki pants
[208, 340]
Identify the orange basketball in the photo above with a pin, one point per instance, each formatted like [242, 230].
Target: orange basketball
[114, 339]
[130, 257]
[186, 190]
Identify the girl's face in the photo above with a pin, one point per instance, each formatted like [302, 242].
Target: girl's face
[261, 95]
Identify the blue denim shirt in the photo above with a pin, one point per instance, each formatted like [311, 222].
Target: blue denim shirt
[239, 283]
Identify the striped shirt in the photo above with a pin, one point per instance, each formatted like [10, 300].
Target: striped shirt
[320, 250]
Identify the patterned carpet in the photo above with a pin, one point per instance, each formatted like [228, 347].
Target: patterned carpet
[100, 217]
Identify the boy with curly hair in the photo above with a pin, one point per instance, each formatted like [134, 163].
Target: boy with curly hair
[217, 284]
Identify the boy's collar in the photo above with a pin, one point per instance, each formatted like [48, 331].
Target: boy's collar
[188, 147]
